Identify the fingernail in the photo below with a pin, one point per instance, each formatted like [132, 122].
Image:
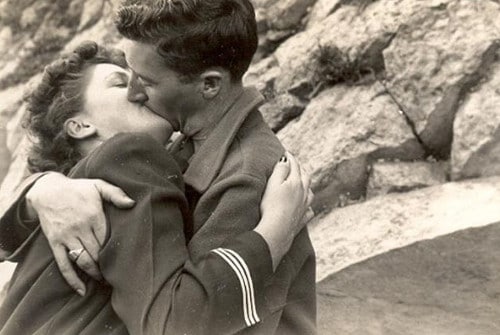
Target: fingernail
[81, 292]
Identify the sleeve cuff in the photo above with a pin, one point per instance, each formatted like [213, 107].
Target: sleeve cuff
[249, 257]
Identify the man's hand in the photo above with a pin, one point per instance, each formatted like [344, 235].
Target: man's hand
[71, 215]
[285, 207]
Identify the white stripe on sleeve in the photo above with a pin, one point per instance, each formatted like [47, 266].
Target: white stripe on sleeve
[241, 270]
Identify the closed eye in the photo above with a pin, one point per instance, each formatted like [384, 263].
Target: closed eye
[122, 85]
[117, 79]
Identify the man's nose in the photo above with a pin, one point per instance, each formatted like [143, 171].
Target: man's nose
[136, 92]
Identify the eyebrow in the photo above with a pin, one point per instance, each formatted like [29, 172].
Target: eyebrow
[137, 73]
[149, 79]
[121, 75]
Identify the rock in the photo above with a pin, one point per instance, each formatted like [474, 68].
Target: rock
[287, 14]
[91, 14]
[15, 130]
[4, 154]
[361, 35]
[276, 21]
[388, 177]
[17, 173]
[33, 16]
[435, 58]
[261, 18]
[103, 31]
[269, 41]
[280, 110]
[10, 101]
[5, 37]
[476, 135]
[321, 9]
[262, 75]
[447, 285]
[352, 234]
[336, 138]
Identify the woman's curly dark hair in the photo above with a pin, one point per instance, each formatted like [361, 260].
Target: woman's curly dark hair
[58, 97]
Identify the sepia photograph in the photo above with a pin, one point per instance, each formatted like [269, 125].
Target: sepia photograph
[267, 167]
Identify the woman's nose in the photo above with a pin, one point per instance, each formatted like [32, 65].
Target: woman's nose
[136, 92]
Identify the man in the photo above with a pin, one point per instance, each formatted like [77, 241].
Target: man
[188, 58]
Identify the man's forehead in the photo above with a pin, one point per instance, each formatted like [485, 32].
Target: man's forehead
[142, 57]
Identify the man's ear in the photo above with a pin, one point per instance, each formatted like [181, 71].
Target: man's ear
[212, 83]
[79, 129]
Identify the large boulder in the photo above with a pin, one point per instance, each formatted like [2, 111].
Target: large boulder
[361, 35]
[4, 154]
[102, 31]
[449, 285]
[321, 9]
[278, 20]
[281, 109]
[430, 53]
[287, 14]
[91, 13]
[476, 135]
[10, 101]
[336, 139]
[388, 177]
[355, 233]
[433, 61]
[17, 172]
[39, 32]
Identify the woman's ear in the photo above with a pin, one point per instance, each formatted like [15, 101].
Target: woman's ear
[212, 83]
[79, 129]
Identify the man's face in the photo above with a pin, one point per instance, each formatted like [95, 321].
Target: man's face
[157, 87]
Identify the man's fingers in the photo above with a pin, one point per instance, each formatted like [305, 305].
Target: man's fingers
[88, 265]
[67, 270]
[113, 194]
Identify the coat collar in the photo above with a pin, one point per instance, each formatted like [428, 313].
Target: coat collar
[207, 161]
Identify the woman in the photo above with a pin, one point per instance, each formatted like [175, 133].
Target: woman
[82, 121]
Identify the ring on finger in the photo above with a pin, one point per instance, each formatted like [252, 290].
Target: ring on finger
[75, 253]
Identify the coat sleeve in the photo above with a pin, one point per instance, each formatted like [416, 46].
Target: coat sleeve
[15, 232]
[157, 289]
[231, 206]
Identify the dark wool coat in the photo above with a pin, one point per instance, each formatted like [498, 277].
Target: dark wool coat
[225, 180]
[150, 283]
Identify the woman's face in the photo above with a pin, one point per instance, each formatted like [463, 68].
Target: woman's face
[106, 104]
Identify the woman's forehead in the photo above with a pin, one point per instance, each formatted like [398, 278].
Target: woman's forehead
[101, 71]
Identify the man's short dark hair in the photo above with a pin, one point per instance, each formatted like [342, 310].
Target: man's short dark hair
[194, 35]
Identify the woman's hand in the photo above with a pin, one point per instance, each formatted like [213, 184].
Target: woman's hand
[285, 207]
[72, 218]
